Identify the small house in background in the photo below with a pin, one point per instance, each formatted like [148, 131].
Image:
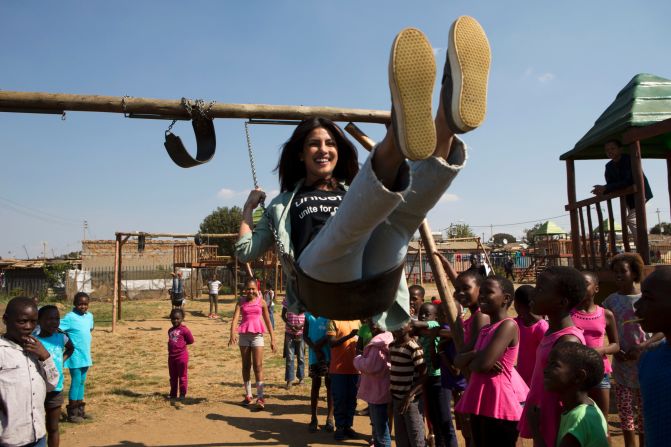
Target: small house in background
[458, 252]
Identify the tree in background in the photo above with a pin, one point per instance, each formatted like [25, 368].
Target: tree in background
[223, 220]
[499, 237]
[663, 228]
[459, 230]
[531, 233]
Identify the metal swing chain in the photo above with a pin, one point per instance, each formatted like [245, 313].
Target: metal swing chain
[199, 105]
[280, 246]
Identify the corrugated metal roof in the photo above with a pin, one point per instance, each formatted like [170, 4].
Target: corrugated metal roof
[645, 100]
[549, 228]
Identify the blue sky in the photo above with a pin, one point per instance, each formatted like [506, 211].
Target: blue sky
[556, 66]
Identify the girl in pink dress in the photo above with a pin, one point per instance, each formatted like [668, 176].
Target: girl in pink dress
[249, 336]
[495, 391]
[532, 329]
[595, 322]
[466, 292]
[558, 290]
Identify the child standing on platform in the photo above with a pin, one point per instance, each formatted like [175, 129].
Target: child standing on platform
[406, 378]
[596, 322]
[572, 370]
[61, 348]
[374, 366]
[78, 325]
[532, 329]
[344, 376]
[628, 268]
[179, 337]
[558, 290]
[319, 357]
[495, 391]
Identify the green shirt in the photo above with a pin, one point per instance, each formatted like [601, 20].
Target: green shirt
[430, 348]
[586, 423]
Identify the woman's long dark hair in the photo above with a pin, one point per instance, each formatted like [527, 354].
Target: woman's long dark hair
[291, 169]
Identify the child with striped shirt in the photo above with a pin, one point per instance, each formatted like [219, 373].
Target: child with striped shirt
[408, 372]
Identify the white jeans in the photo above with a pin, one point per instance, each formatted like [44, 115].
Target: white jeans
[369, 233]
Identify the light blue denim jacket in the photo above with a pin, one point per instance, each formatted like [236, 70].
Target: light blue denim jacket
[253, 245]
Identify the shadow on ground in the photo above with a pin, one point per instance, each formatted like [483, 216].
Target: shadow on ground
[274, 431]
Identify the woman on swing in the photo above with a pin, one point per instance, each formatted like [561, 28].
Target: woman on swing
[380, 207]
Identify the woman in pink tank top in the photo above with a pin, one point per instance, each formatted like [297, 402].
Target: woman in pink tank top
[249, 336]
[596, 322]
[495, 391]
[558, 290]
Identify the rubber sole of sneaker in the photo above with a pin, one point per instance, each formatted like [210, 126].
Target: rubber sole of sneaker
[412, 74]
[469, 58]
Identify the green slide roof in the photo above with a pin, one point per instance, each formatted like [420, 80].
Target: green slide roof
[645, 100]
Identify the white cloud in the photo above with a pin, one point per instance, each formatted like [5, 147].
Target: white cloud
[542, 78]
[437, 50]
[447, 197]
[546, 77]
[225, 193]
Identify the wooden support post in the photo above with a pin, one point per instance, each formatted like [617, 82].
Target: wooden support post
[585, 256]
[572, 198]
[602, 237]
[611, 225]
[642, 246]
[590, 227]
[445, 289]
[668, 176]
[120, 300]
[623, 219]
[115, 298]
[235, 277]
[421, 267]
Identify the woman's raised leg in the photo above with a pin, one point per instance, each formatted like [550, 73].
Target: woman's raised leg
[336, 253]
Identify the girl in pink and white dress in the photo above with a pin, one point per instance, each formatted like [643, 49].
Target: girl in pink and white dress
[596, 322]
[495, 390]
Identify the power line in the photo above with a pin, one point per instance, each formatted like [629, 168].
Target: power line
[32, 212]
[516, 223]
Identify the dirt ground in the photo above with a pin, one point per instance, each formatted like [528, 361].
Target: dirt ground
[128, 385]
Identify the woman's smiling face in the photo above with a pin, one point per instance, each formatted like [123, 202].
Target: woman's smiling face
[320, 155]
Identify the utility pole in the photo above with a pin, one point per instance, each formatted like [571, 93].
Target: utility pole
[659, 222]
[491, 232]
[44, 250]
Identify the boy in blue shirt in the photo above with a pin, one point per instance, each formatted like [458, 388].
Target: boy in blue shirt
[654, 309]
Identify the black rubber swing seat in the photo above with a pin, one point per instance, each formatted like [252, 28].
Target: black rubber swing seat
[354, 300]
[206, 143]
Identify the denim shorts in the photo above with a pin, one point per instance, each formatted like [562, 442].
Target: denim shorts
[250, 339]
[605, 383]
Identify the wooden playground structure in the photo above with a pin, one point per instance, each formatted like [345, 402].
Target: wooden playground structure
[640, 117]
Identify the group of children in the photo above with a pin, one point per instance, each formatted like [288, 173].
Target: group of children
[35, 349]
[543, 375]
